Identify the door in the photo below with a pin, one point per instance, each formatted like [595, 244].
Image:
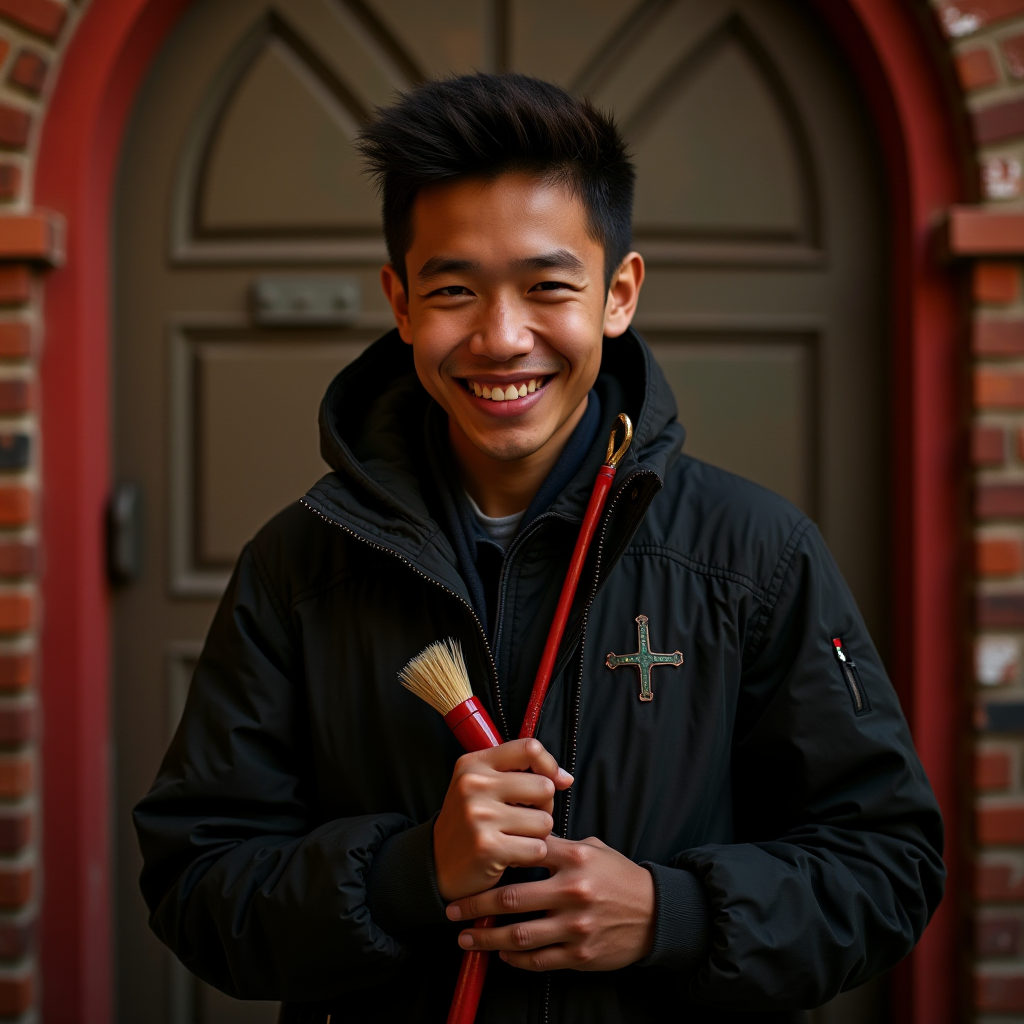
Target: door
[247, 252]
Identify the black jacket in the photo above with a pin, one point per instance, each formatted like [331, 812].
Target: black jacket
[774, 793]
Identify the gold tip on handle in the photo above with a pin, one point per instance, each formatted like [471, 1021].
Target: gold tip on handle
[614, 456]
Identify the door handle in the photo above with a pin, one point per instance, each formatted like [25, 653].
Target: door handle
[124, 534]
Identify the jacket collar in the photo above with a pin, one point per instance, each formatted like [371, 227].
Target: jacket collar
[372, 421]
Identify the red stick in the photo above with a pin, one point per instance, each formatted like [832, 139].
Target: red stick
[473, 971]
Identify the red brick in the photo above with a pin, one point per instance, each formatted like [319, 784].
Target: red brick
[15, 612]
[993, 769]
[10, 181]
[976, 231]
[1001, 825]
[43, 17]
[29, 72]
[997, 337]
[961, 17]
[15, 886]
[998, 883]
[15, 995]
[15, 284]
[998, 122]
[17, 672]
[975, 69]
[998, 389]
[998, 556]
[997, 993]
[988, 445]
[997, 936]
[999, 611]
[15, 939]
[16, 395]
[998, 500]
[15, 339]
[15, 777]
[31, 236]
[17, 558]
[17, 724]
[15, 125]
[998, 283]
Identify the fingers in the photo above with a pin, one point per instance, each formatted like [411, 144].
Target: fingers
[520, 756]
[541, 931]
[526, 898]
[520, 788]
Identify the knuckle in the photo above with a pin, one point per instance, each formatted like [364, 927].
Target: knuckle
[520, 936]
[582, 926]
[581, 890]
[509, 898]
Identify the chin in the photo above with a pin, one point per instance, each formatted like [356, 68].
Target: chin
[507, 449]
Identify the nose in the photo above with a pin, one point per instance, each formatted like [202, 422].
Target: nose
[502, 333]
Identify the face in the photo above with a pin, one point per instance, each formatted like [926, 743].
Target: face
[506, 309]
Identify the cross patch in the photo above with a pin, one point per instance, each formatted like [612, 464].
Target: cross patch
[644, 659]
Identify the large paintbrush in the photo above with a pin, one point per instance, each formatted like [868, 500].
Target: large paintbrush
[438, 675]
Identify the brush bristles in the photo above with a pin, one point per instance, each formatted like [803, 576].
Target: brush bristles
[438, 675]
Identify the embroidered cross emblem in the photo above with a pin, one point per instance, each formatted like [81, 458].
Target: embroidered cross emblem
[644, 659]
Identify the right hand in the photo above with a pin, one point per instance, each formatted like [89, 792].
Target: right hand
[496, 815]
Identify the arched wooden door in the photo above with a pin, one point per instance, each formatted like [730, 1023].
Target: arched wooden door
[247, 249]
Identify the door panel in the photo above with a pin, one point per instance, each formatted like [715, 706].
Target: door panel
[758, 211]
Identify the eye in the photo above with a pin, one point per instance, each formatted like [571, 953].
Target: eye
[549, 286]
[450, 291]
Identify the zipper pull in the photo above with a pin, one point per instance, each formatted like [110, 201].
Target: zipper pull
[837, 643]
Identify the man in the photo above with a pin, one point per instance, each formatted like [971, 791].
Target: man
[749, 831]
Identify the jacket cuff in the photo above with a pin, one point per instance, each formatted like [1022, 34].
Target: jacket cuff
[681, 920]
[401, 891]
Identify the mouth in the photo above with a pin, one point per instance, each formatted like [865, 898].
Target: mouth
[507, 390]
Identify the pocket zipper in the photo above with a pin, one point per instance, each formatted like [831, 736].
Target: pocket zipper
[859, 696]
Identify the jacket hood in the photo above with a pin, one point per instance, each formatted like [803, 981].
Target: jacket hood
[372, 436]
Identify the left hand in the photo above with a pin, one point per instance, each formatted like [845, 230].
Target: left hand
[600, 912]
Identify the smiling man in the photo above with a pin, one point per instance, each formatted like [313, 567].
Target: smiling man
[740, 834]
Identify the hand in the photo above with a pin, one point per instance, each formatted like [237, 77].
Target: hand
[600, 912]
[496, 815]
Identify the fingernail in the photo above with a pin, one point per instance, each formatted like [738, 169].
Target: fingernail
[466, 940]
[563, 774]
[454, 913]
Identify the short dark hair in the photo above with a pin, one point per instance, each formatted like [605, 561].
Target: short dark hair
[485, 125]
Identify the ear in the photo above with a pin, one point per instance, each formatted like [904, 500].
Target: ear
[623, 295]
[394, 292]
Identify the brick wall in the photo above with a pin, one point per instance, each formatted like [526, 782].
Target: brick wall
[32, 33]
[986, 41]
[986, 38]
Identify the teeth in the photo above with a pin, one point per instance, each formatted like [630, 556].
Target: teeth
[507, 394]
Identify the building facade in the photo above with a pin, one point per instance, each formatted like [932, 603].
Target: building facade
[933, 96]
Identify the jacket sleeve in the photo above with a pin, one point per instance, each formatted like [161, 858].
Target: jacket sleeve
[837, 865]
[244, 884]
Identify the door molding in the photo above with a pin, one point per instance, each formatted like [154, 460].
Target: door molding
[103, 67]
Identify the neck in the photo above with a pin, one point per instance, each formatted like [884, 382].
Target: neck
[503, 488]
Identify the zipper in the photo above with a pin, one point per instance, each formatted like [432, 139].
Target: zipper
[861, 704]
[495, 689]
[578, 692]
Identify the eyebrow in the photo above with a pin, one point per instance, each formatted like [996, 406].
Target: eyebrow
[438, 265]
[557, 259]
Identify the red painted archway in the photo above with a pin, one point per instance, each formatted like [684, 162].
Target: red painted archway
[104, 65]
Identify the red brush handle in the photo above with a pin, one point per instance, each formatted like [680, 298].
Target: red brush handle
[602, 485]
[475, 731]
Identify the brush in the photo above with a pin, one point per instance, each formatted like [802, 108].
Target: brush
[438, 675]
